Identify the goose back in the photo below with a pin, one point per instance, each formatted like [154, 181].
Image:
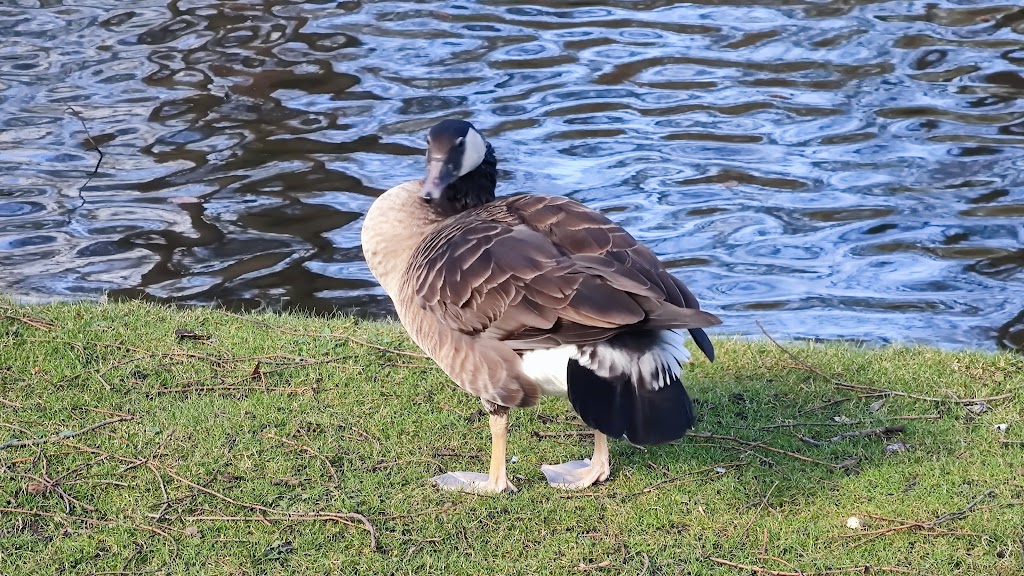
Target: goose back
[538, 271]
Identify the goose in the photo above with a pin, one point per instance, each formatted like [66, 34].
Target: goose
[529, 295]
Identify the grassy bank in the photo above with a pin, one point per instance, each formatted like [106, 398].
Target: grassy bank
[240, 444]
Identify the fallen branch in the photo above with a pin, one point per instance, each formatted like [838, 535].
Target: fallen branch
[88, 135]
[154, 530]
[719, 469]
[863, 568]
[768, 448]
[764, 502]
[64, 435]
[871, 390]
[839, 423]
[33, 322]
[883, 431]
[311, 450]
[163, 490]
[82, 519]
[353, 519]
[963, 512]
[93, 146]
[229, 388]
[930, 527]
[10, 404]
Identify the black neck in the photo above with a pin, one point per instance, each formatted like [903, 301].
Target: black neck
[473, 189]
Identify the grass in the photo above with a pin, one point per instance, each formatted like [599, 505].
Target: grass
[310, 420]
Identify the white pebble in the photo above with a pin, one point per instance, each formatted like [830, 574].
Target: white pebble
[853, 523]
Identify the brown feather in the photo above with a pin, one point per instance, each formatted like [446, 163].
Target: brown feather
[537, 271]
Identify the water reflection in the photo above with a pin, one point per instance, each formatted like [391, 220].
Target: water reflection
[836, 169]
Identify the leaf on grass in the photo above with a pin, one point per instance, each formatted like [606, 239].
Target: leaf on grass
[35, 488]
[876, 406]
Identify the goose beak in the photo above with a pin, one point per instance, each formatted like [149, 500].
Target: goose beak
[438, 177]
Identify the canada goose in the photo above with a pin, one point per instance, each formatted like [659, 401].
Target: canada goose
[528, 295]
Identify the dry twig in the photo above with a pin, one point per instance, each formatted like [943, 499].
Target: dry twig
[229, 388]
[863, 568]
[867, 391]
[838, 423]
[33, 322]
[929, 527]
[647, 564]
[82, 519]
[265, 513]
[768, 448]
[311, 450]
[882, 431]
[718, 469]
[764, 502]
[64, 435]
[92, 143]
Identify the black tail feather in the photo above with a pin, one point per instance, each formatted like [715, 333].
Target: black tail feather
[703, 342]
[618, 408]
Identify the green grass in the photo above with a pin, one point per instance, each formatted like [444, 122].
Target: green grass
[386, 423]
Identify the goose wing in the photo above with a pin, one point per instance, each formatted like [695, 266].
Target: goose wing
[540, 271]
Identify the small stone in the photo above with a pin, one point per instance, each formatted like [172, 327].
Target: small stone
[876, 406]
[895, 447]
[513, 460]
[1002, 427]
[853, 523]
[191, 531]
[719, 470]
[977, 408]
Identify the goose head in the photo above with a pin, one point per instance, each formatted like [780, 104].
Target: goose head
[461, 168]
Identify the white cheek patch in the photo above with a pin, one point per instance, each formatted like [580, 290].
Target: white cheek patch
[473, 153]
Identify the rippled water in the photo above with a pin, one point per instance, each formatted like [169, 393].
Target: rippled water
[833, 168]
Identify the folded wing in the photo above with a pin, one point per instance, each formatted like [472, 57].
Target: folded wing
[542, 271]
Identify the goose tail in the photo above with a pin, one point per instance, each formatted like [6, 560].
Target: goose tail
[631, 387]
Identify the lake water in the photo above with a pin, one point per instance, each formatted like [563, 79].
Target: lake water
[837, 169]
